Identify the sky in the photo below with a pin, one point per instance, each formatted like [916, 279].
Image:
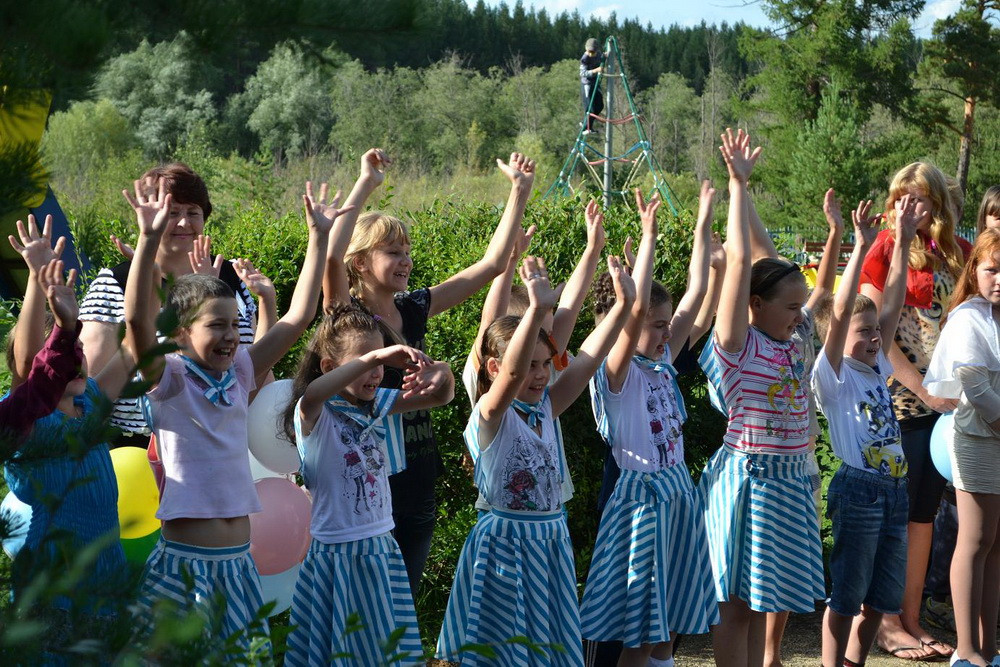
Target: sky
[663, 13]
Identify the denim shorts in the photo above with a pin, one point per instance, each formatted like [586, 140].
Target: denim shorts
[868, 563]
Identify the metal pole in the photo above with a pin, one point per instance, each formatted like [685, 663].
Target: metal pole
[608, 129]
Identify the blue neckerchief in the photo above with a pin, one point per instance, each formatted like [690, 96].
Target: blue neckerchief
[362, 413]
[534, 411]
[655, 365]
[218, 390]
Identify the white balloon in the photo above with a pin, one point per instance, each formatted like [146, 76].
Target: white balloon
[268, 442]
[18, 515]
[280, 588]
[258, 471]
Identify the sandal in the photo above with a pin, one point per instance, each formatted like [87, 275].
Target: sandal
[920, 649]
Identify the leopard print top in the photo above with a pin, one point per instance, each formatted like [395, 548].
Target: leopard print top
[916, 335]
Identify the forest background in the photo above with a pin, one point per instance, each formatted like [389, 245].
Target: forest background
[260, 95]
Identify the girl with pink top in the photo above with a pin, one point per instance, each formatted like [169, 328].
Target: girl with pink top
[197, 407]
[763, 528]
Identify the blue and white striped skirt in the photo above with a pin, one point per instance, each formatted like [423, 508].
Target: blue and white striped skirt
[763, 530]
[650, 574]
[515, 578]
[193, 576]
[365, 577]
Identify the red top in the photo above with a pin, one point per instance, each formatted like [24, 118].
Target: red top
[55, 365]
[919, 283]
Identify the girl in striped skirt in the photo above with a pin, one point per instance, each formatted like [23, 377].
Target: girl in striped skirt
[762, 523]
[516, 577]
[650, 576]
[350, 437]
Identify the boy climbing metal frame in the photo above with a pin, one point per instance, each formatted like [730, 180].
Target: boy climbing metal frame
[613, 67]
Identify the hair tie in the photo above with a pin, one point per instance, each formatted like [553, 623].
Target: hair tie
[377, 318]
[777, 277]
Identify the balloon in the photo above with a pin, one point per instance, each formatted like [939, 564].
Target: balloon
[138, 497]
[17, 514]
[137, 550]
[279, 534]
[942, 438]
[257, 471]
[266, 432]
[280, 588]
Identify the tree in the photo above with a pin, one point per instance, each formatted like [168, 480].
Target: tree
[669, 110]
[966, 52]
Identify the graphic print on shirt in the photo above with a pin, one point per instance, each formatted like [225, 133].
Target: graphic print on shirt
[664, 424]
[531, 476]
[786, 394]
[882, 450]
[362, 463]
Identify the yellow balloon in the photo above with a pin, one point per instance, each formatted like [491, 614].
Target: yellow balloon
[138, 497]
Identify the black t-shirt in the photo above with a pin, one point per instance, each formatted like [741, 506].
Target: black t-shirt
[587, 63]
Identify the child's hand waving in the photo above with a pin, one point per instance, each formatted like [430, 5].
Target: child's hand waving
[622, 281]
[536, 280]
[258, 284]
[36, 249]
[425, 378]
[909, 213]
[831, 209]
[865, 225]
[152, 210]
[373, 166]
[594, 217]
[705, 201]
[520, 170]
[60, 293]
[201, 257]
[647, 212]
[740, 158]
[319, 214]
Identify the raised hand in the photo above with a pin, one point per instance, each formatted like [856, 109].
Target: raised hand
[520, 170]
[521, 242]
[258, 284]
[34, 247]
[622, 281]
[425, 378]
[628, 254]
[705, 200]
[865, 225]
[740, 158]
[594, 217]
[717, 256]
[647, 212]
[401, 356]
[201, 257]
[60, 292]
[831, 209]
[319, 214]
[151, 205]
[909, 213]
[373, 166]
[536, 279]
[127, 251]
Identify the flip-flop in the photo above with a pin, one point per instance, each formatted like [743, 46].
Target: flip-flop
[933, 644]
[894, 652]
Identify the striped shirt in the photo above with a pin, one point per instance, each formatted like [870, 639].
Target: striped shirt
[105, 302]
[761, 387]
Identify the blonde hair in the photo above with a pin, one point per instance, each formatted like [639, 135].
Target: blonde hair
[373, 229]
[933, 183]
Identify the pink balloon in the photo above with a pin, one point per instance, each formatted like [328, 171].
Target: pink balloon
[279, 535]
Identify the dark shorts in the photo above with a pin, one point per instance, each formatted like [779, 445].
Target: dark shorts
[868, 561]
[925, 483]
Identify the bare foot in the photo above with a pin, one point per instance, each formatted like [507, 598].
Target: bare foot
[927, 641]
[899, 643]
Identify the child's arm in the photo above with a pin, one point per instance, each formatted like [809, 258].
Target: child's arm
[428, 385]
[595, 348]
[333, 381]
[520, 349]
[621, 353]
[336, 288]
[865, 231]
[826, 274]
[268, 350]
[716, 274]
[761, 244]
[733, 319]
[29, 335]
[579, 281]
[498, 296]
[55, 365]
[152, 213]
[453, 291]
[894, 294]
[261, 287]
[689, 306]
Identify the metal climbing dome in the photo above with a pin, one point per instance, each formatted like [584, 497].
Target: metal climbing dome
[624, 143]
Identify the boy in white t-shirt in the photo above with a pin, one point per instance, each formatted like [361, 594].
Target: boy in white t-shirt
[867, 500]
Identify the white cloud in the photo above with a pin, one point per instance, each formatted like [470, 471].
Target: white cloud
[602, 13]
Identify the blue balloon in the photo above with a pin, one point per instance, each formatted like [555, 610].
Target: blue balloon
[18, 517]
[941, 438]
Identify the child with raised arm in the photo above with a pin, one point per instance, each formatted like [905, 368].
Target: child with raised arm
[198, 410]
[762, 523]
[966, 366]
[516, 577]
[369, 261]
[63, 470]
[650, 576]
[867, 500]
[350, 441]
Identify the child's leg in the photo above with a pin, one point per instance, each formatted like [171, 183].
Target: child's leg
[776, 622]
[836, 633]
[864, 628]
[731, 637]
[635, 657]
[976, 533]
[756, 638]
[991, 594]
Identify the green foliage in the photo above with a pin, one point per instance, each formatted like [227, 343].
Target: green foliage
[671, 126]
